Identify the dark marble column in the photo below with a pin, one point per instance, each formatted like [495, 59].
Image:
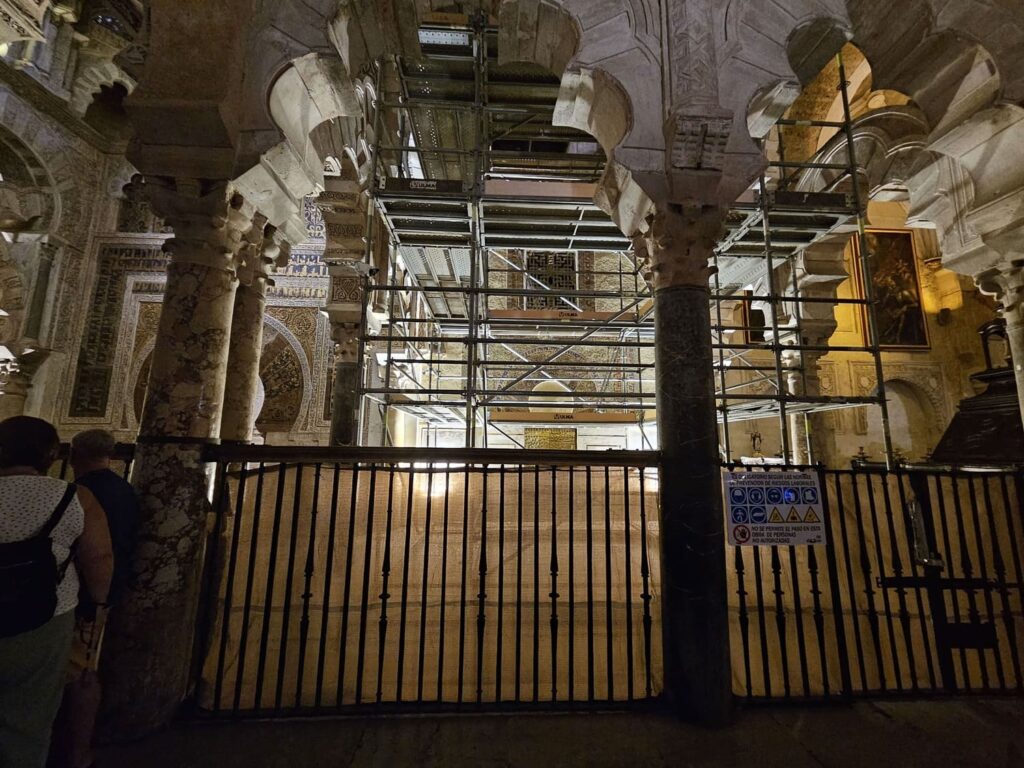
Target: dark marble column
[149, 641]
[344, 209]
[345, 404]
[695, 608]
[261, 248]
[345, 311]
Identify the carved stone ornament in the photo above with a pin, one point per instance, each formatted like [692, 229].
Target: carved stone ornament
[249, 262]
[208, 220]
[699, 142]
[22, 19]
[679, 241]
[346, 341]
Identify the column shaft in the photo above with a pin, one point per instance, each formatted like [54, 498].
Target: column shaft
[345, 404]
[150, 639]
[696, 631]
[695, 604]
[245, 348]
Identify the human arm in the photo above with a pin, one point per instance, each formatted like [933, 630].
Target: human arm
[94, 556]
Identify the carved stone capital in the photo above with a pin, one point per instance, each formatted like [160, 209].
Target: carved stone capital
[679, 242]
[345, 336]
[208, 220]
[1006, 283]
[249, 261]
[344, 210]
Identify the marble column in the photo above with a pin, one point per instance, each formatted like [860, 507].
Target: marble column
[261, 248]
[345, 311]
[695, 613]
[150, 638]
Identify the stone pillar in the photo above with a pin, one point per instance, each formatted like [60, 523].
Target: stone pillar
[344, 209]
[15, 394]
[261, 248]
[807, 429]
[149, 644]
[40, 287]
[345, 311]
[695, 614]
[816, 273]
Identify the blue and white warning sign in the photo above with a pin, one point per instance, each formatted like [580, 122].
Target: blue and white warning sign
[774, 508]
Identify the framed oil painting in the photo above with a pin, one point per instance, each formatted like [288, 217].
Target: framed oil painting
[897, 288]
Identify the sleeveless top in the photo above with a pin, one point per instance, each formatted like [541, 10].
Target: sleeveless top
[26, 503]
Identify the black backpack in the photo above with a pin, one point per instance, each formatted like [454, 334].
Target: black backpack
[29, 576]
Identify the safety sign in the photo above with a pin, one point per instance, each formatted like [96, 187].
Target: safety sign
[774, 508]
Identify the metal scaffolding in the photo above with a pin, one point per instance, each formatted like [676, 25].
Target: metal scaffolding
[511, 298]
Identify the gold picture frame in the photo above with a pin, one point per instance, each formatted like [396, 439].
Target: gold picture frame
[896, 279]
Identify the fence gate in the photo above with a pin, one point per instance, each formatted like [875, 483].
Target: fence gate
[918, 590]
[430, 581]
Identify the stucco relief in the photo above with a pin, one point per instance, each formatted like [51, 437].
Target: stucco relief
[928, 379]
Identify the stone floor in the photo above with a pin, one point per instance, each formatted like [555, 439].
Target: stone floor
[942, 733]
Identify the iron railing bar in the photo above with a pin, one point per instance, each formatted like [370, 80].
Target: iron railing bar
[967, 568]
[364, 608]
[630, 692]
[645, 571]
[947, 544]
[438, 456]
[838, 614]
[983, 574]
[925, 633]
[307, 587]
[901, 593]
[403, 606]
[780, 620]
[999, 565]
[289, 583]
[554, 584]
[269, 592]
[501, 584]
[421, 668]
[230, 584]
[762, 622]
[250, 579]
[1014, 544]
[880, 559]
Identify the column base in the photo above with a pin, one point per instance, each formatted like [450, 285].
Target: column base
[150, 637]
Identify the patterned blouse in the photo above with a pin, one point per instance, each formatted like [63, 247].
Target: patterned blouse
[26, 503]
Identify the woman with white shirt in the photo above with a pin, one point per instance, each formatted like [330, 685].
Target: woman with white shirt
[33, 662]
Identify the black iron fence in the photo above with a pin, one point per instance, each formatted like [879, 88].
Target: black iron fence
[441, 579]
[458, 579]
[918, 590]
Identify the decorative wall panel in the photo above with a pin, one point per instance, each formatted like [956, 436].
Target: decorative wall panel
[94, 369]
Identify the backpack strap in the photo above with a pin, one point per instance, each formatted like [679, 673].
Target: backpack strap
[58, 512]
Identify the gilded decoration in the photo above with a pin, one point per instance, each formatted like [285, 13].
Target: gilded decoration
[540, 439]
